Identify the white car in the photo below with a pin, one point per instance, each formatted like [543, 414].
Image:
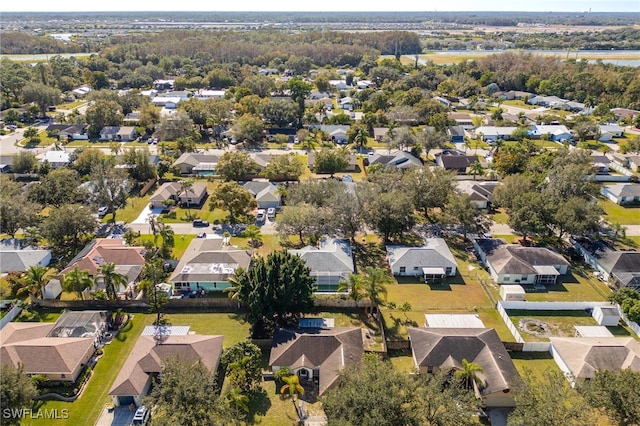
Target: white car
[271, 213]
[261, 215]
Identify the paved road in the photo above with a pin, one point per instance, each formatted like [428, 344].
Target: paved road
[633, 230]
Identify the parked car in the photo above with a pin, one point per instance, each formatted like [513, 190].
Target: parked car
[271, 213]
[102, 211]
[199, 223]
[141, 417]
[261, 215]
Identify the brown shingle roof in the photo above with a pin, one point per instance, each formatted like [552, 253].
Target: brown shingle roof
[106, 250]
[148, 356]
[329, 350]
[517, 259]
[447, 347]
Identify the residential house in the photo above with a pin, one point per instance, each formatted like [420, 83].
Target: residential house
[555, 132]
[437, 349]
[456, 134]
[266, 194]
[15, 258]
[624, 113]
[69, 132]
[433, 261]
[6, 161]
[173, 192]
[81, 91]
[631, 162]
[444, 102]
[452, 160]
[398, 159]
[462, 119]
[208, 265]
[379, 133]
[582, 357]
[109, 133]
[330, 262]
[516, 264]
[316, 356]
[622, 193]
[128, 261]
[365, 84]
[620, 267]
[168, 102]
[340, 84]
[601, 164]
[268, 71]
[149, 355]
[608, 131]
[191, 163]
[480, 193]
[210, 94]
[56, 159]
[164, 84]
[493, 133]
[59, 351]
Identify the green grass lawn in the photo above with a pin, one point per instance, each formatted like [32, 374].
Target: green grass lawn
[500, 216]
[233, 327]
[181, 242]
[133, 208]
[535, 363]
[274, 410]
[86, 409]
[519, 104]
[575, 287]
[44, 141]
[615, 213]
[71, 105]
[509, 238]
[37, 316]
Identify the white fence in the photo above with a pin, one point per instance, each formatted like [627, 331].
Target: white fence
[502, 307]
[618, 168]
[632, 325]
[11, 315]
[612, 178]
[551, 306]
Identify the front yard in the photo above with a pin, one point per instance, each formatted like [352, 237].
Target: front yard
[615, 213]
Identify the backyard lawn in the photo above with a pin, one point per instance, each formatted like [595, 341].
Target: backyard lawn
[274, 410]
[233, 327]
[574, 287]
[181, 242]
[559, 324]
[615, 213]
[132, 210]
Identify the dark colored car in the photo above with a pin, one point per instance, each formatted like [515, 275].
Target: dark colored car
[199, 223]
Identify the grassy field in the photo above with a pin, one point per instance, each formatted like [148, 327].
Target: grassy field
[500, 216]
[71, 105]
[535, 363]
[615, 213]
[86, 409]
[181, 242]
[275, 410]
[133, 208]
[519, 103]
[233, 327]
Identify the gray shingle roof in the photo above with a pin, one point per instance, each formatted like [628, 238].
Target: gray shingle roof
[333, 256]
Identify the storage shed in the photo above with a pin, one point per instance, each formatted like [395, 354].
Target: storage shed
[512, 293]
[606, 315]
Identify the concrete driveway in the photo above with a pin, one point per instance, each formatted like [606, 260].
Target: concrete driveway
[120, 416]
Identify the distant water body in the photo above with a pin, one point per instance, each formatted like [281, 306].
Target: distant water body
[616, 57]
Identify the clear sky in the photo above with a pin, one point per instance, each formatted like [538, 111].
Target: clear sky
[322, 5]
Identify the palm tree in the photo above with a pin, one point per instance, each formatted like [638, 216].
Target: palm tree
[292, 386]
[185, 187]
[153, 225]
[237, 399]
[361, 139]
[375, 281]
[255, 236]
[35, 278]
[354, 285]
[112, 280]
[309, 143]
[476, 169]
[168, 238]
[235, 283]
[77, 281]
[469, 374]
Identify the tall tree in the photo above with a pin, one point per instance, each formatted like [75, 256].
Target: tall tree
[35, 278]
[153, 273]
[283, 167]
[550, 401]
[460, 212]
[203, 406]
[57, 188]
[330, 161]
[109, 188]
[235, 199]
[175, 126]
[242, 363]
[277, 289]
[354, 286]
[68, 226]
[299, 219]
[112, 280]
[77, 281]
[236, 166]
[103, 113]
[16, 392]
[390, 213]
[42, 95]
[616, 392]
